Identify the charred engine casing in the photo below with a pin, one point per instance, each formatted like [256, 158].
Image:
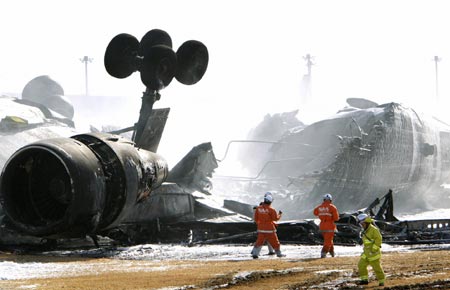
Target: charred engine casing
[70, 187]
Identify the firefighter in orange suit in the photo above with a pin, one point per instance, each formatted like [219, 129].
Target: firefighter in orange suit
[328, 214]
[265, 217]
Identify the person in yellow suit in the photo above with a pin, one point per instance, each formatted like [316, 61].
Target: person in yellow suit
[371, 238]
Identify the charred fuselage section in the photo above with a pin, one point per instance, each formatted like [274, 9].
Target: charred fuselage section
[354, 155]
[394, 148]
[70, 187]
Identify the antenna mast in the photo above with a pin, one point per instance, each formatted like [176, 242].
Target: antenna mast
[306, 80]
[436, 59]
[86, 59]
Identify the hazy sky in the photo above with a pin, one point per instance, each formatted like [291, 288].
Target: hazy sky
[379, 50]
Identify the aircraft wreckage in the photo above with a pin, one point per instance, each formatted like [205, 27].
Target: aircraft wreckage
[354, 155]
[102, 184]
[91, 184]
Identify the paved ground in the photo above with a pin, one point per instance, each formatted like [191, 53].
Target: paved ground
[405, 270]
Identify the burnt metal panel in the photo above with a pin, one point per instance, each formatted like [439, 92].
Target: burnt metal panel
[152, 132]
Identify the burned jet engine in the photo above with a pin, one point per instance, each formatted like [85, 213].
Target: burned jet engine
[70, 187]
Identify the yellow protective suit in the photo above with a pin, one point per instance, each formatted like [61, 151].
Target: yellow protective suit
[371, 255]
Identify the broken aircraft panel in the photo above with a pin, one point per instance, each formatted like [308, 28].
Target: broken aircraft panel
[394, 231]
[23, 122]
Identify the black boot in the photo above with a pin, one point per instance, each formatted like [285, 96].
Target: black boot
[255, 252]
[271, 250]
[362, 282]
[279, 254]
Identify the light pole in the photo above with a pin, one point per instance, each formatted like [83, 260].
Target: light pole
[86, 59]
[436, 59]
[306, 86]
[309, 62]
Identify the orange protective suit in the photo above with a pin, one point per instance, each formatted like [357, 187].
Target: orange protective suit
[265, 218]
[327, 214]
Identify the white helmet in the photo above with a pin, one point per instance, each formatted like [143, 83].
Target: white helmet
[362, 217]
[268, 197]
[327, 197]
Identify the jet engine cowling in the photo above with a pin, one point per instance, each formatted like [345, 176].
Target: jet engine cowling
[70, 187]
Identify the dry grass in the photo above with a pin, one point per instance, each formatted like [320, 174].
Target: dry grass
[420, 270]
